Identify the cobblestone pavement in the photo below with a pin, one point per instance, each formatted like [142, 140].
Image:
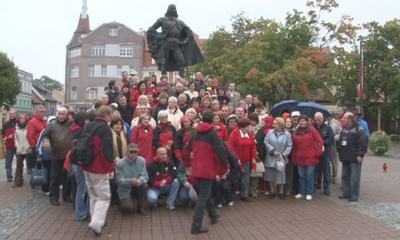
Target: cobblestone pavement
[26, 214]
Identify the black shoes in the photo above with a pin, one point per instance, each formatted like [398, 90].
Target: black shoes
[199, 231]
[281, 196]
[353, 200]
[327, 192]
[68, 200]
[244, 199]
[141, 211]
[271, 195]
[54, 202]
[216, 219]
[343, 197]
[9, 179]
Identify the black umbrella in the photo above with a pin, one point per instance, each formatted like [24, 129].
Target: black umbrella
[283, 106]
[310, 109]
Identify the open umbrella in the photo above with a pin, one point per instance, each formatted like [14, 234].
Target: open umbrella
[309, 109]
[282, 106]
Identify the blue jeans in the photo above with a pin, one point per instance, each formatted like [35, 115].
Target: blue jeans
[184, 194]
[245, 180]
[10, 153]
[170, 189]
[224, 188]
[82, 205]
[306, 179]
[325, 167]
[351, 178]
[204, 200]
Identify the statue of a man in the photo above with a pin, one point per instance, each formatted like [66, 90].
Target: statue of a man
[174, 48]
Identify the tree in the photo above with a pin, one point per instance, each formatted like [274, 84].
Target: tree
[50, 84]
[382, 69]
[279, 60]
[10, 85]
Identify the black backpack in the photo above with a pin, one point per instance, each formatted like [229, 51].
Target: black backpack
[83, 152]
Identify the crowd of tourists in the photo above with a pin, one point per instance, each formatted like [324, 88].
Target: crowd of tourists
[189, 143]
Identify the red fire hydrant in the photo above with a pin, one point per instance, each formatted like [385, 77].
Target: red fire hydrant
[384, 167]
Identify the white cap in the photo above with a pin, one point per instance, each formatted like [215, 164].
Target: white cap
[114, 104]
[295, 114]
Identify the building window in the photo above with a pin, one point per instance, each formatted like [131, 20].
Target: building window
[126, 52]
[98, 50]
[152, 73]
[176, 75]
[74, 93]
[103, 70]
[91, 93]
[91, 71]
[113, 32]
[75, 52]
[74, 71]
[119, 71]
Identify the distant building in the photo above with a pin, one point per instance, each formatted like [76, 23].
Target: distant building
[94, 57]
[43, 96]
[59, 96]
[24, 102]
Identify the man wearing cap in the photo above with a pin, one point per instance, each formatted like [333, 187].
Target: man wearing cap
[132, 180]
[295, 121]
[295, 116]
[363, 124]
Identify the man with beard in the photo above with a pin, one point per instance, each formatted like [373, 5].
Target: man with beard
[174, 48]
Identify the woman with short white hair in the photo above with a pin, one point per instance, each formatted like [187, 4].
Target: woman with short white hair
[174, 113]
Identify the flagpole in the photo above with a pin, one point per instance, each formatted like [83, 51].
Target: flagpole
[361, 78]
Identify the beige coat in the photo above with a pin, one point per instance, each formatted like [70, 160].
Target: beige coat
[21, 142]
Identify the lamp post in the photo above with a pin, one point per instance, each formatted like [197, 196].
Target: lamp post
[342, 95]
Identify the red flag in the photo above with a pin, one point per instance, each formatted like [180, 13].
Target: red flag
[361, 73]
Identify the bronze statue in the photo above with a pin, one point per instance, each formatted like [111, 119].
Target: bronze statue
[174, 48]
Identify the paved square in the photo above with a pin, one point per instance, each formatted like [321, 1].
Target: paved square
[26, 213]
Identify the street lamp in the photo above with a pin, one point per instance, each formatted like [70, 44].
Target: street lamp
[342, 94]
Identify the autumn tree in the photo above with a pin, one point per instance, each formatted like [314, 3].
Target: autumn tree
[10, 85]
[279, 60]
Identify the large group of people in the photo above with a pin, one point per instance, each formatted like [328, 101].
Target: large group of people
[188, 142]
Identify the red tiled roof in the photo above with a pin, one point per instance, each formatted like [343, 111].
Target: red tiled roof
[36, 99]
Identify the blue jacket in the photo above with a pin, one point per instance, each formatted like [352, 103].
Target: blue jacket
[40, 152]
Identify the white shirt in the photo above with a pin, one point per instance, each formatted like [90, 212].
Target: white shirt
[243, 135]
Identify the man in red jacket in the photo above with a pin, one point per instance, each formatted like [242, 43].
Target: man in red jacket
[8, 133]
[35, 126]
[207, 149]
[101, 171]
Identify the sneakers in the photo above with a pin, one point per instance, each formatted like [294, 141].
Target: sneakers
[230, 204]
[308, 197]
[237, 192]
[219, 205]
[170, 207]
[298, 196]
[266, 193]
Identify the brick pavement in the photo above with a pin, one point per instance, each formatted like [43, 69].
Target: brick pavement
[263, 218]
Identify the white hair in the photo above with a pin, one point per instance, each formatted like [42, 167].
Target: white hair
[170, 99]
[62, 109]
[162, 113]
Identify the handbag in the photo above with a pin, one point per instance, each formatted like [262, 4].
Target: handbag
[280, 163]
[39, 176]
[259, 171]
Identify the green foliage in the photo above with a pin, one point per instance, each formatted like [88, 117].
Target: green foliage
[278, 60]
[380, 142]
[50, 84]
[382, 68]
[10, 85]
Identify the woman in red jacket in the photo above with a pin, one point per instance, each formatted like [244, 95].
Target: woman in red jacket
[142, 135]
[245, 148]
[220, 128]
[307, 148]
[164, 134]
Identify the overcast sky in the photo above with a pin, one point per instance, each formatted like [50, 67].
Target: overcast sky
[34, 33]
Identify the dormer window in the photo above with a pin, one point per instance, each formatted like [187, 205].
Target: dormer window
[113, 32]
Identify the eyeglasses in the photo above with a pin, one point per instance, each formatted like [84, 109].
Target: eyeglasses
[163, 117]
[133, 152]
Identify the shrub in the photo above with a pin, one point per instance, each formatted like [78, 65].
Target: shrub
[380, 142]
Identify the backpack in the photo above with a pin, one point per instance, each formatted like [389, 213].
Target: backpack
[83, 152]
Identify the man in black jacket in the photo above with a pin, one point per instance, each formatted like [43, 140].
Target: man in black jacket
[125, 109]
[352, 146]
[324, 167]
